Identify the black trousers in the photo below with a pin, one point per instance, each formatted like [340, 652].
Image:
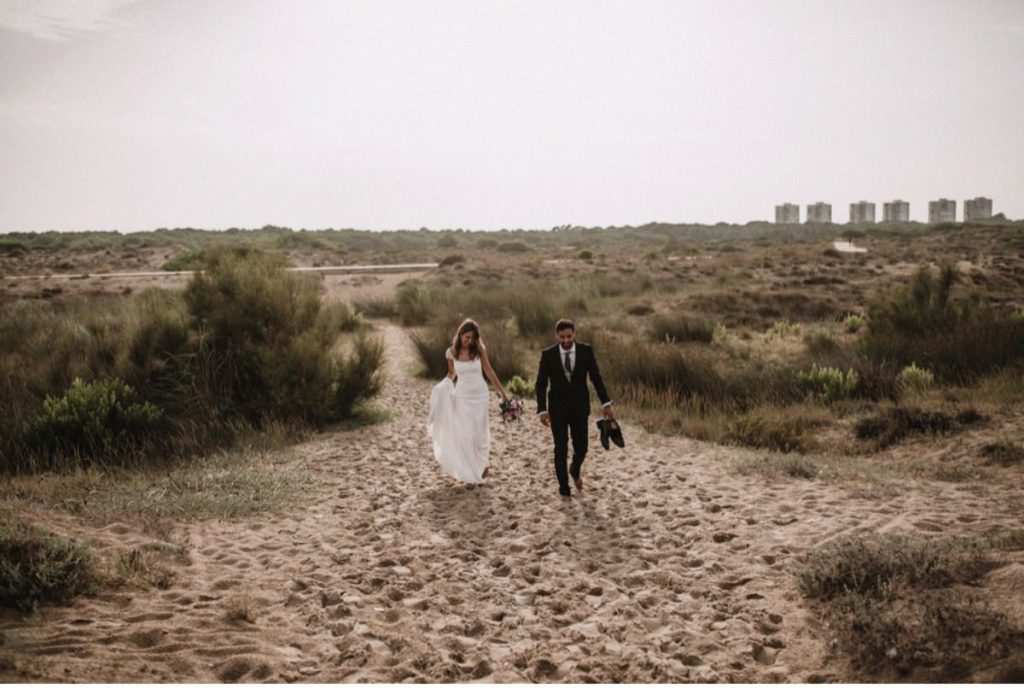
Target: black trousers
[565, 424]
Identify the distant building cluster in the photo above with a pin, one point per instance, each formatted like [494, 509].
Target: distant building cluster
[942, 210]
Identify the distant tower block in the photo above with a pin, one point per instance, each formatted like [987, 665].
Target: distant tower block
[862, 212]
[896, 211]
[787, 214]
[979, 208]
[942, 210]
[819, 212]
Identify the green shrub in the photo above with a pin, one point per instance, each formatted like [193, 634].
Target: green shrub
[681, 329]
[585, 254]
[828, 384]
[412, 303]
[519, 387]
[914, 378]
[12, 248]
[190, 260]
[92, 418]
[512, 247]
[267, 344]
[36, 566]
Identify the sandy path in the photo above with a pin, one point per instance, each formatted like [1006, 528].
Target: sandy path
[669, 567]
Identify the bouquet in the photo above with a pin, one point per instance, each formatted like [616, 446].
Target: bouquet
[511, 410]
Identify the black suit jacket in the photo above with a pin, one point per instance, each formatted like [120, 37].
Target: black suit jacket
[568, 396]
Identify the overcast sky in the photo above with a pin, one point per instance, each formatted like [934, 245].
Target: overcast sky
[139, 114]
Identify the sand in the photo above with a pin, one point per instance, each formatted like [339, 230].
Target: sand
[668, 567]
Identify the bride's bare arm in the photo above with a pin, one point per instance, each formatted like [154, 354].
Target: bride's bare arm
[451, 364]
[489, 372]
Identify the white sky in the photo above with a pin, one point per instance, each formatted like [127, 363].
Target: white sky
[381, 114]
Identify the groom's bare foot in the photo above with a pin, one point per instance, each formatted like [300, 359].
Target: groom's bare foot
[486, 471]
[577, 479]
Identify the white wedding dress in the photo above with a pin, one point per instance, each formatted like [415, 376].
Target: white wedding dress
[458, 424]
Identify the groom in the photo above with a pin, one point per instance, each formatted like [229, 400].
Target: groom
[566, 408]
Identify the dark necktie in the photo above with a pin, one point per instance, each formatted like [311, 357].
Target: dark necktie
[568, 365]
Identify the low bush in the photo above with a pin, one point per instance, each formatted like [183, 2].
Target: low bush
[893, 424]
[667, 328]
[772, 429]
[452, 259]
[512, 247]
[190, 260]
[37, 566]
[585, 254]
[91, 418]
[1003, 454]
[895, 612]
[914, 378]
[874, 566]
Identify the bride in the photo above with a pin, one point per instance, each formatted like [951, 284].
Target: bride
[457, 422]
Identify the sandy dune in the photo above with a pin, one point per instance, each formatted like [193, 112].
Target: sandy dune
[669, 567]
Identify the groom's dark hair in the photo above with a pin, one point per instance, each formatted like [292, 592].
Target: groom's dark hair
[565, 324]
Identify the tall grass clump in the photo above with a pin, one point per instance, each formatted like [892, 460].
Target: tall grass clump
[412, 303]
[680, 328]
[534, 310]
[37, 566]
[923, 323]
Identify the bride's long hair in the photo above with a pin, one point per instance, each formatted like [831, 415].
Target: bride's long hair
[468, 325]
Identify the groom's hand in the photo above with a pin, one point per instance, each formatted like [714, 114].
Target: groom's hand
[545, 420]
[608, 413]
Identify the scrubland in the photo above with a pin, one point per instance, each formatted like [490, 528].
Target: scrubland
[888, 371]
